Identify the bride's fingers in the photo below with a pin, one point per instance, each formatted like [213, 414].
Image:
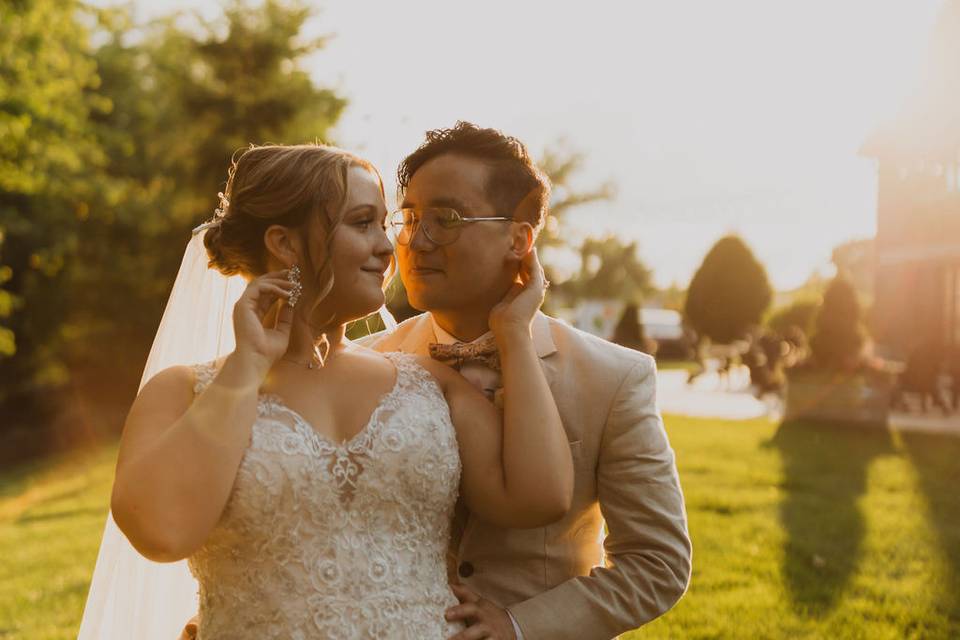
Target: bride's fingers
[278, 275]
[260, 295]
[530, 266]
[268, 290]
[284, 318]
[531, 273]
[256, 285]
[268, 302]
[286, 285]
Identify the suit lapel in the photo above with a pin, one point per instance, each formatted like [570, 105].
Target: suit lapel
[542, 337]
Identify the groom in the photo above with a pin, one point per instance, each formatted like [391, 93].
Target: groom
[556, 582]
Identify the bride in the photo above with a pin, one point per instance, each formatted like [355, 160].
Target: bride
[309, 482]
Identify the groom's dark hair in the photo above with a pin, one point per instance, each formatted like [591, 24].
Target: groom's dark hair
[515, 186]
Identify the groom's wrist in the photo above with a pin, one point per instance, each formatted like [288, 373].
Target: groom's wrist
[516, 626]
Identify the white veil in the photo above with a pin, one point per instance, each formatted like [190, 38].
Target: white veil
[130, 596]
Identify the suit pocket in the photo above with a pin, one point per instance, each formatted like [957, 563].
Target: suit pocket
[575, 450]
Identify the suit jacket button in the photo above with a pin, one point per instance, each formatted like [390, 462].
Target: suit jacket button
[465, 570]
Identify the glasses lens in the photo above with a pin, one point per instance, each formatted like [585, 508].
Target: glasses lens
[440, 225]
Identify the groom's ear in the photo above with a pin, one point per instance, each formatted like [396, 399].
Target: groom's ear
[521, 240]
[281, 245]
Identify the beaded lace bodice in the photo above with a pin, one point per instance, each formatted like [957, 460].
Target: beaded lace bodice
[326, 540]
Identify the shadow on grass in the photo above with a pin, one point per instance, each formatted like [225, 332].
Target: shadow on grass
[936, 459]
[58, 515]
[825, 471]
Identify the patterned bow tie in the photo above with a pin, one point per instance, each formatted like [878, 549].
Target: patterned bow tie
[459, 353]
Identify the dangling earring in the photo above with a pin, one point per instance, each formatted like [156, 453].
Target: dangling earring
[293, 276]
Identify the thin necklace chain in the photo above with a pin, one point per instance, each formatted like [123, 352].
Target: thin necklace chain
[318, 359]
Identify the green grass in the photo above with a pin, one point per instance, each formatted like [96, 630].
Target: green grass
[798, 531]
[684, 365]
[817, 532]
[51, 517]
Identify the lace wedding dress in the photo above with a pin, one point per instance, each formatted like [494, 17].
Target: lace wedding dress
[327, 540]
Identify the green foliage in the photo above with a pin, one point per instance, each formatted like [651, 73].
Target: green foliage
[799, 313]
[609, 269]
[50, 166]
[629, 332]
[838, 340]
[561, 166]
[111, 153]
[729, 292]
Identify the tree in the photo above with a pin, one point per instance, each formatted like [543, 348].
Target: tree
[799, 313]
[629, 332]
[609, 269]
[607, 263]
[839, 337]
[184, 101]
[49, 165]
[110, 154]
[561, 165]
[729, 292]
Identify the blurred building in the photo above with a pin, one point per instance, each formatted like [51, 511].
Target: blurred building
[917, 249]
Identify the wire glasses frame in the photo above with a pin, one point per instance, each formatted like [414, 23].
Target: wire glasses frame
[441, 225]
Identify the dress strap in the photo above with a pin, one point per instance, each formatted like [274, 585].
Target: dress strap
[405, 363]
[203, 375]
[409, 371]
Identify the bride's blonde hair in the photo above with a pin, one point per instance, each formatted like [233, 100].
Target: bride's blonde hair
[286, 185]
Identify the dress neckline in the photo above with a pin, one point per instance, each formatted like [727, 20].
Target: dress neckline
[276, 401]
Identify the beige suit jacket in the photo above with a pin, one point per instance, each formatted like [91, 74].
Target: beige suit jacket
[556, 580]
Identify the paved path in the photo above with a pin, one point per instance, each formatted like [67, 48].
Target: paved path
[731, 399]
[708, 397]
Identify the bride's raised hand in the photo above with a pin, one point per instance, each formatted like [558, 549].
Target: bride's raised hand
[524, 298]
[261, 329]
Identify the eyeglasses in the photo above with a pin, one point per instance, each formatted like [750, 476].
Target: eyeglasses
[441, 225]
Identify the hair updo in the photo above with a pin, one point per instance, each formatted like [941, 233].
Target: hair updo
[277, 184]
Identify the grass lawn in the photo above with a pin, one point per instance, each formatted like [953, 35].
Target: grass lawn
[799, 532]
[817, 532]
[51, 517]
[684, 365]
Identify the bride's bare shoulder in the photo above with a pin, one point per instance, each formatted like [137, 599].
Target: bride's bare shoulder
[171, 385]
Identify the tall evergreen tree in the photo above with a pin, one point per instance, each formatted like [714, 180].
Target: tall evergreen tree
[839, 336]
[729, 292]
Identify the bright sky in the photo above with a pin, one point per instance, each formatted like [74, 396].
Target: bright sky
[711, 117]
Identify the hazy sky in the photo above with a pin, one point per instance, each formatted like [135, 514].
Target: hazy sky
[711, 117]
